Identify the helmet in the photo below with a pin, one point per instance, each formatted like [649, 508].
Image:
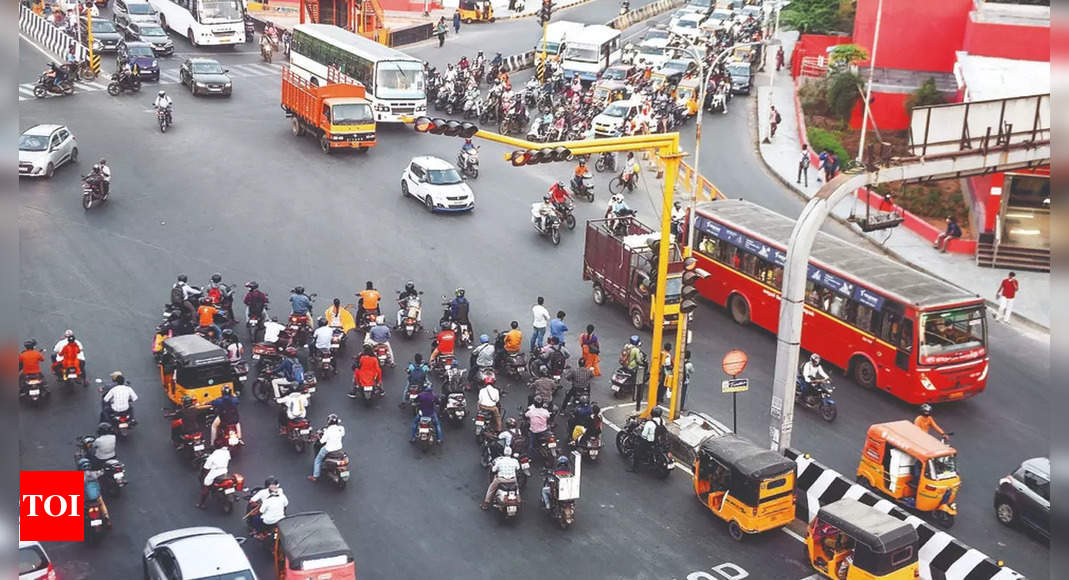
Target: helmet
[216, 277]
[510, 422]
[546, 198]
[162, 93]
[105, 428]
[103, 161]
[484, 338]
[252, 285]
[562, 460]
[206, 300]
[427, 387]
[411, 285]
[926, 410]
[538, 400]
[321, 321]
[228, 333]
[298, 290]
[480, 53]
[489, 379]
[656, 412]
[380, 319]
[29, 344]
[560, 184]
[460, 292]
[635, 340]
[506, 452]
[83, 464]
[68, 333]
[445, 325]
[332, 419]
[227, 392]
[116, 376]
[183, 278]
[291, 351]
[583, 400]
[815, 358]
[187, 401]
[271, 480]
[70, 338]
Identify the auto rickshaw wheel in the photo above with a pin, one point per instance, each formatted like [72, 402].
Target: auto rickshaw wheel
[468, 21]
[943, 519]
[735, 531]
[863, 482]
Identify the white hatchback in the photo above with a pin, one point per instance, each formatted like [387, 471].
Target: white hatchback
[43, 148]
[438, 184]
[196, 553]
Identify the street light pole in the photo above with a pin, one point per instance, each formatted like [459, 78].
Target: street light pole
[868, 90]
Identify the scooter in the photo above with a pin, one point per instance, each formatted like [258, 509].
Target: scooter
[123, 83]
[455, 408]
[605, 162]
[163, 118]
[335, 466]
[296, 432]
[225, 490]
[548, 225]
[410, 325]
[426, 435]
[468, 162]
[817, 399]
[507, 499]
[45, 86]
[32, 389]
[561, 501]
[624, 380]
[583, 188]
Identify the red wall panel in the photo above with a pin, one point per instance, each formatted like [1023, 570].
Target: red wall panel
[888, 110]
[1007, 41]
[913, 35]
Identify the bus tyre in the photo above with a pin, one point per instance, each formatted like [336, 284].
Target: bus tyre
[864, 373]
[740, 310]
[735, 531]
[598, 295]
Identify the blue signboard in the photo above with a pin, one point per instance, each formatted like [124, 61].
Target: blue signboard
[868, 298]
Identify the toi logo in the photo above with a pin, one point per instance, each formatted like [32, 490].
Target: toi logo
[50, 506]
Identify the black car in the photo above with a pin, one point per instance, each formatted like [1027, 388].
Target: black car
[152, 34]
[205, 76]
[1023, 497]
[106, 37]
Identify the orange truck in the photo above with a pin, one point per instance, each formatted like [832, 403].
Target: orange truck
[337, 113]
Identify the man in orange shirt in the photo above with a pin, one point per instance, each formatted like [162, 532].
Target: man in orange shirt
[206, 317]
[30, 360]
[369, 304]
[68, 355]
[926, 422]
[366, 373]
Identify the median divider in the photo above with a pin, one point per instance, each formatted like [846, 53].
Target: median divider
[625, 21]
[46, 35]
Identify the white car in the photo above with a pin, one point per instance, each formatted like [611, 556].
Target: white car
[194, 554]
[688, 26]
[610, 122]
[437, 184]
[652, 52]
[34, 563]
[43, 148]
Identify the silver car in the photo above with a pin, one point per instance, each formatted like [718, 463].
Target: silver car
[194, 554]
[140, 11]
[43, 148]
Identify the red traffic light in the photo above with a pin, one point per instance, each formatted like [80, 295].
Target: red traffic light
[423, 124]
[519, 158]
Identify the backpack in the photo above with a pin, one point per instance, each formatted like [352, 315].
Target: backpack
[177, 296]
[625, 355]
[417, 375]
[779, 119]
[215, 295]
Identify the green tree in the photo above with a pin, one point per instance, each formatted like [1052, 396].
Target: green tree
[842, 95]
[812, 16]
[842, 56]
[926, 94]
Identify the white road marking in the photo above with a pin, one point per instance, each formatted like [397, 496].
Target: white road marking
[263, 69]
[170, 76]
[85, 87]
[26, 89]
[96, 84]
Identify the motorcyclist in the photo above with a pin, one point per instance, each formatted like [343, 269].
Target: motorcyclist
[444, 343]
[428, 407]
[218, 463]
[91, 483]
[402, 300]
[543, 387]
[380, 334]
[301, 304]
[222, 294]
[57, 75]
[234, 349]
[366, 372]
[482, 357]
[458, 309]
[469, 150]
[265, 45]
[562, 469]
[490, 400]
[321, 338]
[558, 194]
[926, 422]
[511, 435]
[30, 360]
[635, 357]
[463, 63]
[450, 74]
[544, 210]
[581, 171]
[369, 302]
[187, 420]
[226, 414]
[647, 437]
[255, 301]
[678, 215]
[504, 470]
[105, 174]
[206, 317]
[272, 502]
[103, 447]
[118, 399]
[331, 440]
[812, 373]
[272, 331]
[62, 344]
[513, 338]
[538, 422]
[554, 355]
[480, 60]
[585, 422]
[292, 406]
[288, 374]
[70, 355]
[617, 207]
[418, 372]
[164, 102]
[189, 295]
[339, 317]
[580, 379]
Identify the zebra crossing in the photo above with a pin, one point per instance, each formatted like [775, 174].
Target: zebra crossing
[167, 77]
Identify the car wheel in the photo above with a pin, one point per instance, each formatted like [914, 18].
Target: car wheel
[74, 155]
[1005, 512]
[49, 170]
[427, 201]
[404, 188]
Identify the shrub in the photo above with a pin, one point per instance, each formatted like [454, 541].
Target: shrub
[842, 56]
[842, 94]
[813, 97]
[925, 95]
[821, 139]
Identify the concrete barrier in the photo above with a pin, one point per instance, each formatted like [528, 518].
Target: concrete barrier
[625, 21]
[520, 61]
[941, 556]
[46, 35]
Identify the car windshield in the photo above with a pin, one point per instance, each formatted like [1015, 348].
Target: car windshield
[443, 176]
[352, 114]
[704, 4]
[101, 25]
[33, 142]
[651, 51]
[739, 70]
[718, 16]
[952, 333]
[140, 51]
[615, 74]
[615, 110]
[208, 68]
[152, 31]
[219, 11]
[399, 79]
[31, 559]
[687, 24]
[246, 575]
[656, 33]
[942, 467]
[551, 47]
[581, 53]
[140, 9]
[675, 65]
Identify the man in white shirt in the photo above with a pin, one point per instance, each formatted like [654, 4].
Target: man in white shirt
[812, 373]
[291, 407]
[331, 440]
[271, 331]
[322, 337]
[646, 439]
[218, 463]
[489, 398]
[504, 470]
[273, 502]
[119, 397]
[105, 172]
[540, 320]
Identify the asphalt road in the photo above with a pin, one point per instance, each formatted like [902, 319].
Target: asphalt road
[229, 189]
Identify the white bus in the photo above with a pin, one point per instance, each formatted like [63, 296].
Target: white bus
[394, 81]
[204, 22]
[591, 52]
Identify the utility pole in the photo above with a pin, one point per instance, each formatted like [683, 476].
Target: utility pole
[868, 90]
[544, 15]
[94, 62]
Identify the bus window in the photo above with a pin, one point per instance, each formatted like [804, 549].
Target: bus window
[749, 264]
[865, 318]
[905, 338]
[812, 297]
[836, 308]
[707, 245]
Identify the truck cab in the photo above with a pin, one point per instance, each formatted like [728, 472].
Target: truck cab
[337, 113]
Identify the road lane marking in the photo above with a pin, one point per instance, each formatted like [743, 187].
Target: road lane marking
[26, 89]
[99, 86]
[86, 88]
[170, 76]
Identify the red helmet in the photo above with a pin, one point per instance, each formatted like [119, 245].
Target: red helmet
[489, 380]
[291, 350]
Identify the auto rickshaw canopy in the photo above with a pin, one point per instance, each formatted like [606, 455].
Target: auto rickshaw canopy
[191, 350]
[749, 464]
[311, 536]
[911, 439]
[879, 532]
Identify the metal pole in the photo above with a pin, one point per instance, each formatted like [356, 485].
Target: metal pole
[542, 73]
[89, 32]
[868, 89]
[734, 413]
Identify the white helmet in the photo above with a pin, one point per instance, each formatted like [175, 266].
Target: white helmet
[162, 93]
[814, 358]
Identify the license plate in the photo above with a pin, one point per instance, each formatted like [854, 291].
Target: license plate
[511, 510]
[311, 389]
[480, 422]
[118, 475]
[460, 414]
[233, 440]
[71, 377]
[424, 431]
[123, 425]
[228, 490]
[616, 388]
[326, 360]
[242, 378]
[305, 431]
[34, 392]
[198, 447]
[96, 522]
[367, 389]
[551, 445]
[256, 357]
[525, 465]
[344, 474]
[671, 465]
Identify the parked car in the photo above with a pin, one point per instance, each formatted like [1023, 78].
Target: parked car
[141, 54]
[437, 184]
[140, 11]
[153, 34]
[195, 553]
[205, 76]
[34, 563]
[106, 36]
[43, 148]
[656, 31]
[1023, 497]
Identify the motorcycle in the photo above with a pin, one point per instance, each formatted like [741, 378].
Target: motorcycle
[327, 358]
[605, 162]
[549, 226]
[72, 377]
[263, 390]
[113, 472]
[266, 52]
[45, 86]
[122, 423]
[589, 445]
[411, 397]
[382, 353]
[80, 71]
[455, 408]
[241, 371]
[225, 489]
[442, 364]
[123, 83]
[296, 432]
[507, 499]
[445, 95]
[624, 380]
[483, 420]
[561, 500]
[92, 192]
[817, 399]
[453, 379]
[228, 436]
[426, 435]
[472, 104]
[547, 450]
[481, 374]
[33, 389]
[250, 29]
[468, 162]
[298, 328]
[193, 448]
[335, 465]
[584, 188]
[267, 356]
[659, 460]
[455, 102]
[410, 323]
[163, 117]
[97, 522]
[566, 211]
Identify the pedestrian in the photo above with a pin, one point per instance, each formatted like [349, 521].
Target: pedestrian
[826, 164]
[953, 231]
[541, 319]
[774, 119]
[456, 22]
[779, 58]
[666, 371]
[803, 166]
[557, 328]
[688, 372]
[591, 349]
[512, 5]
[440, 31]
[1007, 291]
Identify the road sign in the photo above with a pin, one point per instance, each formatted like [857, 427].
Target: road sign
[735, 385]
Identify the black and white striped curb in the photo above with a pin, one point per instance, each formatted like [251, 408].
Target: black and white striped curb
[520, 61]
[941, 556]
[45, 34]
[625, 21]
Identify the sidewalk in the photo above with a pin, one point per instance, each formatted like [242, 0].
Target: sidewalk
[781, 157]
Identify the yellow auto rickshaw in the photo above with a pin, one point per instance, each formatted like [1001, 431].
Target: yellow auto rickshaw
[849, 540]
[191, 365]
[688, 92]
[476, 11]
[748, 486]
[903, 462]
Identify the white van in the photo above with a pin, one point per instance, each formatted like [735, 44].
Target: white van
[591, 51]
[557, 34]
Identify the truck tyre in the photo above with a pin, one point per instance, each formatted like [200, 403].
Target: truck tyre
[598, 294]
[324, 144]
[298, 130]
[637, 320]
[740, 310]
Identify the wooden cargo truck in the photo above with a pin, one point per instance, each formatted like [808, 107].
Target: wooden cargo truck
[338, 113]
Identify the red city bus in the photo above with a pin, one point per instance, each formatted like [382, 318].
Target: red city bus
[863, 313]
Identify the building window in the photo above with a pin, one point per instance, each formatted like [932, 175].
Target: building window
[1031, 191]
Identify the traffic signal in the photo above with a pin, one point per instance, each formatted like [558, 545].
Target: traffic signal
[546, 11]
[688, 294]
[522, 157]
[449, 128]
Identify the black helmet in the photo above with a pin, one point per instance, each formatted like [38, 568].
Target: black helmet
[460, 292]
[298, 290]
[105, 428]
[510, 422]
[410, 286]
[271, 480]
[538, 400]
[217, 277]
[183, 278]
[228, 333]
[656, 412]
[445, 325]
[926, 410]
[227, 391]
[252, 285]
[29, 344]
[321, 321]
[333, 419]
[187, 401]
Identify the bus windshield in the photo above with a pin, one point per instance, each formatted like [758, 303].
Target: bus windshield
[581, 53]
[399, 79]
[219, 11]
[952, 332]
[352, 114]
